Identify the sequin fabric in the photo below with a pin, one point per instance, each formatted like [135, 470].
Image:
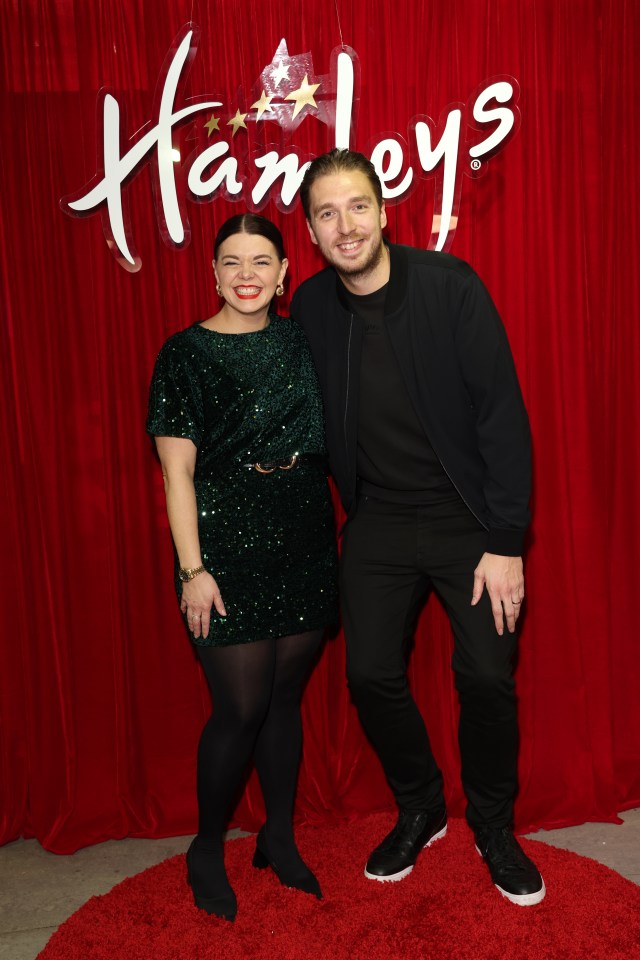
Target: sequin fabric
[268, 540]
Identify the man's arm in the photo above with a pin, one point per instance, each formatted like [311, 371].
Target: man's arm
[504, 442]
[501, 422]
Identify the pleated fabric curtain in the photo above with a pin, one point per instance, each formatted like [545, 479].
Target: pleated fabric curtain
[101, 698]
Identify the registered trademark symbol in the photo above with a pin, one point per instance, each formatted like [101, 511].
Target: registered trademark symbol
[475, 164]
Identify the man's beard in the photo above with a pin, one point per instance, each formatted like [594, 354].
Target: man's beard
[361, 270]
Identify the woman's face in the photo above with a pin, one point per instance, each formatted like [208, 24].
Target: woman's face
[248, 270]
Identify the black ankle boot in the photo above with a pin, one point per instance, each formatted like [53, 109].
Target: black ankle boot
[291, 871]
[207, 878]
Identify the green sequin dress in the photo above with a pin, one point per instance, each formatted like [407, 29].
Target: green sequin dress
[268, 539]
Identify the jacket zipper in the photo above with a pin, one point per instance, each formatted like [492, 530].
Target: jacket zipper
[455, 487]
[346, 401]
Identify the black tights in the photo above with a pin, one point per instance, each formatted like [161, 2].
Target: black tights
[256, 690]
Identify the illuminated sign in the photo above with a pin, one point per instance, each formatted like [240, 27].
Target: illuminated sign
[290, 91]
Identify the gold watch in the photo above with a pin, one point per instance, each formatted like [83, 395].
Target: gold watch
[189, 573]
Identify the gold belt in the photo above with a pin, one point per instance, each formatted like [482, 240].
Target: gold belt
[269, 466]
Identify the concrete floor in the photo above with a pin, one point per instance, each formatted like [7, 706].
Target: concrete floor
[38, 890]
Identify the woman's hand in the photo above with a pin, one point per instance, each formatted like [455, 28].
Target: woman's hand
[198, 596]
[178, 459]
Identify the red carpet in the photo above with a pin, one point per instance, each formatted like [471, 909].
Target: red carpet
[447, 908]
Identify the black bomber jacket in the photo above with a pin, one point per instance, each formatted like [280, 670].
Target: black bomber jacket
[456, 362]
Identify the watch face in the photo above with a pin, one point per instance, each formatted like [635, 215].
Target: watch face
[183, 576]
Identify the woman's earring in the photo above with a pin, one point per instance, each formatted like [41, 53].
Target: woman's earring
[218, 289]
[279, 290]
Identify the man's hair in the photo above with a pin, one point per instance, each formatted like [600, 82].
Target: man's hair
[335, 162]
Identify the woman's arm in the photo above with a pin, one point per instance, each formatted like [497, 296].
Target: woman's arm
[178, 459]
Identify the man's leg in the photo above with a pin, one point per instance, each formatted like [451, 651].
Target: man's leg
[453, 543]
[381, 594]
[382, 591]
[488, 731]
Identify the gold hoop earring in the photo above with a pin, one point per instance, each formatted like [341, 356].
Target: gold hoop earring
[218, 289]
[279, 290]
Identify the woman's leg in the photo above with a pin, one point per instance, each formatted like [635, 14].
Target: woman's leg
[277, 750]
[240, 678]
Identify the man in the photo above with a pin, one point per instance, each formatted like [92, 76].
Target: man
[428, 443]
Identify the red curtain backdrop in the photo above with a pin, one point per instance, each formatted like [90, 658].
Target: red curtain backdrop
[102, 701]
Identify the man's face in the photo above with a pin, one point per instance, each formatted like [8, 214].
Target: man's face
[346, 223]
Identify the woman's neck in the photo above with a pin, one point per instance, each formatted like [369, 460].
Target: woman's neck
[231, 321]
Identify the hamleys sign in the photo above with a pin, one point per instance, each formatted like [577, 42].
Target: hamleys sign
[287, 93]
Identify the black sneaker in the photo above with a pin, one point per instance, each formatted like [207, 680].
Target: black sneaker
[394, 859]
[514, 874]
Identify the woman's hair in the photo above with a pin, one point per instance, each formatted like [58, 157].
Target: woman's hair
[249, 223]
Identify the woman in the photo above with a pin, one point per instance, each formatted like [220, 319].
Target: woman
[236, 412]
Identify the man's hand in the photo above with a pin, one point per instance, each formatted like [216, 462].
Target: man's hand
[504, 580]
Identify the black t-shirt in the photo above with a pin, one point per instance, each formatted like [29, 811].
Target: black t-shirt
[395, 459]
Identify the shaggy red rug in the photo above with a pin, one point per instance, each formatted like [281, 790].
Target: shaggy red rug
[447, 908]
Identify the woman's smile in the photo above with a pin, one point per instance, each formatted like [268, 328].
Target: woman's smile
[248, 292]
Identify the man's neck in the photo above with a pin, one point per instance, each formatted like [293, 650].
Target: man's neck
[361, 285]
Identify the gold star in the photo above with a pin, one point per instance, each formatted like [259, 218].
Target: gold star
[212, 124]
[262, 104]
[303, 96]
[237, 122]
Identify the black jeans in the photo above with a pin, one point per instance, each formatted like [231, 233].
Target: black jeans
[392, 556]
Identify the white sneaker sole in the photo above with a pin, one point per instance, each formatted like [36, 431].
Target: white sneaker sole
[394, 877]
[524, 899]
[521, 899]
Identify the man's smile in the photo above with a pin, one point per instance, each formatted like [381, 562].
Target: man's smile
[350, 246]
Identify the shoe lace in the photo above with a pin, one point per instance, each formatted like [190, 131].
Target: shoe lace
[504, 851]
[407, 825]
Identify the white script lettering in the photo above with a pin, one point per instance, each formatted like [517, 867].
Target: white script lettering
[214, 170]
